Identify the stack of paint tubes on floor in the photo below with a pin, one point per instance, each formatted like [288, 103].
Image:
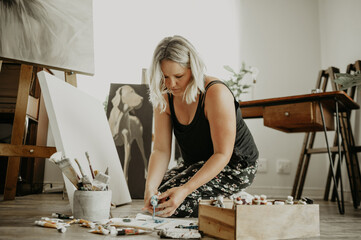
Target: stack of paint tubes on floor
[62, 221]
[248, 199]
[98, 181]
[57, 221]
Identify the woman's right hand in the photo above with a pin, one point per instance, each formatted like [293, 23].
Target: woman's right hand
[147, 196]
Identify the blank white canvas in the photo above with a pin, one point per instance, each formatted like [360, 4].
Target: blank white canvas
[79, 124]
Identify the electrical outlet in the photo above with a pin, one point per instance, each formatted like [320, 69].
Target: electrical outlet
[283, 166]
[262, 165]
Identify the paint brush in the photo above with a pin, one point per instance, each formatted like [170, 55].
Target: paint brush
[65, 166]
[80, 168]
[90, 166]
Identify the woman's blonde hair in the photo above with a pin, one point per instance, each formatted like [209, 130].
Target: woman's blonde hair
[179, 50]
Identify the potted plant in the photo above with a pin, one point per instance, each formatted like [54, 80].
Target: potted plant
[240, 82]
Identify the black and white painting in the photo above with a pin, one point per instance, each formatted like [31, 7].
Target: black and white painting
[56, 34]
[130, 116]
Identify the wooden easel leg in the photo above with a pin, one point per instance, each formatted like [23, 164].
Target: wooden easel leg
[17, 135]
[41, 140]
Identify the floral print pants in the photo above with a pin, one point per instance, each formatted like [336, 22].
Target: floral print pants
[232, 179]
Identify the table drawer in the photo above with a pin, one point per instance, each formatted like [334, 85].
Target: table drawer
[297, 117]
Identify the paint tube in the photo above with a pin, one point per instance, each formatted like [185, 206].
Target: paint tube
[289, 200]
[154, 203]
[83, 221]
[307, 200]
[238, 201]
[65, 166]
[129, 231]
[46, 224]
[100, 230]
[53, 220]
[220, 202]
[263, 199]
[256, 200]
[72, 221]
[88, 225]
[60, 227]
[301, 202]
[61, 216]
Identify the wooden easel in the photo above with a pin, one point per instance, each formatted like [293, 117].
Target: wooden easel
[350, 147]
[349, 150]
[31, 106]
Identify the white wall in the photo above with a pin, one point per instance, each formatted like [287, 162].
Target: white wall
[126, 33]
[290, 41]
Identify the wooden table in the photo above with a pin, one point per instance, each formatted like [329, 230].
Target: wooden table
[310, 113]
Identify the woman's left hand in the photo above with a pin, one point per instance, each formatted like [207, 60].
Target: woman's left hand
[170, 201]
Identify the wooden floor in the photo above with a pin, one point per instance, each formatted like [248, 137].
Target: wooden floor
[17, 219]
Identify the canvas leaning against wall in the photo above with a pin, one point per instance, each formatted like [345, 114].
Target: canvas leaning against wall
[56, 34]
[79, 124]
[130, 116]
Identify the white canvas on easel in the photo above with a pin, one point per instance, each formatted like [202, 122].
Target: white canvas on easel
[79, 124]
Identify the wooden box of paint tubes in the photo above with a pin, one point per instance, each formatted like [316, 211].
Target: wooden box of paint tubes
[258, 219]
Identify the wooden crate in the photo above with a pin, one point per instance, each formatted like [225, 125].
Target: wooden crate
[259, 221]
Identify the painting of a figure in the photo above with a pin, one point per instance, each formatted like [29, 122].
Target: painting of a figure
[56, 34]
[130, 116]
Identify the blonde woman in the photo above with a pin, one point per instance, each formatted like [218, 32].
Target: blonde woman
[219, 153]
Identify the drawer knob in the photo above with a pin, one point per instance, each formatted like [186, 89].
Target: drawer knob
[31, 150]
[287, 114]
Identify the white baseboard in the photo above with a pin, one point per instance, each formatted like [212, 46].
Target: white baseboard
[283, 192]
[53, 187]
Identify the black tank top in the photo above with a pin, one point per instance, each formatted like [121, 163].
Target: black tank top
[195, 140]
